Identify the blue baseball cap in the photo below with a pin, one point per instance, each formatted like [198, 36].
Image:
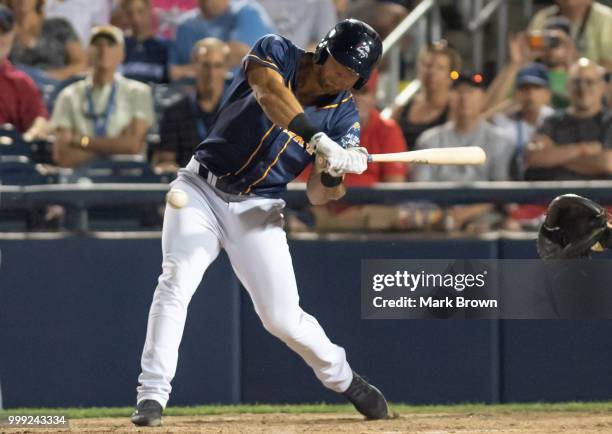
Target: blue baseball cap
[534, 73]
[6, 19]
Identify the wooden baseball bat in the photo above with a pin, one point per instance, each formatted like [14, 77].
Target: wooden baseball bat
[458, 156]
[463, 155]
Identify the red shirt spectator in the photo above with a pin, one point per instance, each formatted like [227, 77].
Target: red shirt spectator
[380, 136]
[21, 100]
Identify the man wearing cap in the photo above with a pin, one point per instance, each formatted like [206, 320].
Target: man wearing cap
[105, 113]
[22, 105]
[467, 129]
[575, 143]
[519, 123]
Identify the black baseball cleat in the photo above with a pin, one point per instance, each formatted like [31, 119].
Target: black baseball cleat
[148, 413]
[367, 399]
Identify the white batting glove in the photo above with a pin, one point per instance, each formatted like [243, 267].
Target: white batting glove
[339, 160]
[353, 160]
[323, 145]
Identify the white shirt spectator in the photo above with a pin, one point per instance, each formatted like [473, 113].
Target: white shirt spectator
[133, 99]
[82, 14]
[496, 145]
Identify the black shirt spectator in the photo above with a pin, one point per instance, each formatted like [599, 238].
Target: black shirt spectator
[186, 122]
[146, 55]
[431, 106]
[576, 143]
[146, 60]
[183, 127]
[413, 130]
[565, 129]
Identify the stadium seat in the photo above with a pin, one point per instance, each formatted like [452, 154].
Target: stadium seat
[115, 169]
[19, 170]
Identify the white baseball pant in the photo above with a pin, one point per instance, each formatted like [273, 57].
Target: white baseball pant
[250, 230]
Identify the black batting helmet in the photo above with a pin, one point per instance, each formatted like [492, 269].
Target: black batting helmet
[354, 44]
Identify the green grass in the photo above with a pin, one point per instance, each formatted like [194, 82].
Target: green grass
[79, 413]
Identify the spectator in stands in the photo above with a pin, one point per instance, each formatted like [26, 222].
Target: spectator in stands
[44, 44]
[304, 22]
[431, 106]
[556, 50]
[167, 15]
[146, 55]
[379, 136]
[520, 122]
[82, 14]
[467, 129]
[591, 27]
[186, 122]
[105, 113]
[575, 143]
[22, 104]
[239, 24]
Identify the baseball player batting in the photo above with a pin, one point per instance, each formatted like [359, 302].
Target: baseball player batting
[283, 108]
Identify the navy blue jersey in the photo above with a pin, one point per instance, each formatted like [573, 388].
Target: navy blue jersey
[247, 150]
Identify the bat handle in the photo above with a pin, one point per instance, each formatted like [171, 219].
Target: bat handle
[370, 159]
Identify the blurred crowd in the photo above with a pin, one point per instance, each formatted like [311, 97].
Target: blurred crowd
[99, 80]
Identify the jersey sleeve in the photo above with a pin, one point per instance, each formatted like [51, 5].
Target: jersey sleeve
[346, 130]
[271, 51]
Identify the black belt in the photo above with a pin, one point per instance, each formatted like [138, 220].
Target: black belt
[213, 180]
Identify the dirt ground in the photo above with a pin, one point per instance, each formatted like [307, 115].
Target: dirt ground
[519, 422]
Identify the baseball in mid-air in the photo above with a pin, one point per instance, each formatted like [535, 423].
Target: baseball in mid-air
[177, 198]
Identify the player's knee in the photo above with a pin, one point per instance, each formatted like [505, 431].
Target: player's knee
[175, 279]
[281, 325]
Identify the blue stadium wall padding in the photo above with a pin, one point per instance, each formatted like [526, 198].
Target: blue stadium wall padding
[73, 320]
[556, 361]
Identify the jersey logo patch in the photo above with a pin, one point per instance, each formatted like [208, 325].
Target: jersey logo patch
[352, 137]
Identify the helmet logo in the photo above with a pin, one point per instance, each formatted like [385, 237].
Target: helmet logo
[363, 50]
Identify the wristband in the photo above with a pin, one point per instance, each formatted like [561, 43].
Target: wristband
[330, 181]
[301, 126]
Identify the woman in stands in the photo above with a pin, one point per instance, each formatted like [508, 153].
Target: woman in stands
[431, 106]
[45, 48]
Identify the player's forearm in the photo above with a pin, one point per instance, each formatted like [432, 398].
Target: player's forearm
[318, 194]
